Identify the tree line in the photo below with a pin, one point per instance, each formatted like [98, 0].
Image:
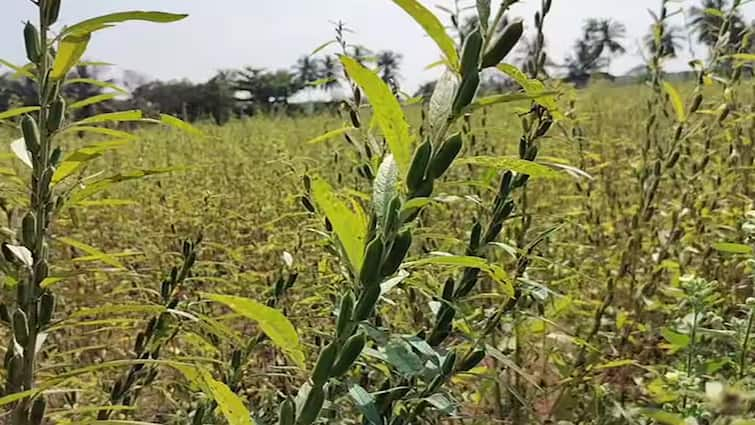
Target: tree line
[252, 90]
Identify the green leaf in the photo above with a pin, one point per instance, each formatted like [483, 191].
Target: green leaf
[101, 22]
[366, 404]
[70, 51]
[100, 185]
[97, 83]
[495, 272]
[180, 125]
[385, 186]
[441, 402]
[533, 87]
[665, 418]
[615, 364]
[744, 57]
[92, 100]
[399, 354]
[75, 160]
[732, 248]
[715, 12]
[521, 166]
[100, 130]
[506, 98]
[433, 27]
[132, 115]
[10, 113]
[230, 405]
[20, 70]
[272, 322]
[349, 226]
[676, 101]
[390, 118]
[675, 339]
[330, 135]
[105, 258]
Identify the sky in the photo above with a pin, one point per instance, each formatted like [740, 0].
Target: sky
[228, 34]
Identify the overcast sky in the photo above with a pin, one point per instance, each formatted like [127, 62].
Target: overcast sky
[222, 34]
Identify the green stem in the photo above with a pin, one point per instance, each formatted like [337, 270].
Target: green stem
[745, 344]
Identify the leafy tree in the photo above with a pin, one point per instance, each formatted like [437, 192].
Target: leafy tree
[600, 39]
[670, 41]
[388, 64]
[329, 68]
[306, 70]
[263, 89]
[708, 18]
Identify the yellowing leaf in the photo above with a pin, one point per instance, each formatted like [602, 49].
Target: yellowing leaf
[92, 100]
[330, 135]
[272, 322]
[105, 21]
[495, 272]
[349, 226]
[732, 248]
[433, 27]
[132, 115]
[70, 51]
[81, 156]
[10, 113]
[676, 101]
[534, 88]
[390, 118]
[180, 125]
[521, 166]
[230, 405]
[105, 258]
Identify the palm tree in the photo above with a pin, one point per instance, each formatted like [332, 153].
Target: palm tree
[306, 70]
[388, 64]
[604, 35]
[707, 24]
[669, 43]
[329, 72]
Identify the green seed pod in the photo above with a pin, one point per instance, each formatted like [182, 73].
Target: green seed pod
[55, 156]
[502, 44]
[474, 238]
[448, 289]
[416, 174]
[696, 103]
[322, 370]
[4, 314]
[20, 327]
[546, 6]
[139, 343]
[31, 133]
[470, 361]
[673, 160]
[448, 363]
[445, 156]
[724, 114]
[31, 39]
[46, 308]
[312, 406]
[398, 251]
[51, 11]
[287, 412]
[15, 367]
[366, 304]
[37, 412]
[198, 415]
[344, 315]
[470, 53]
[236, 359]
[352, 348]
[678, 133]
[373, 258]
[57, 114]
[29, 229]
[466, 93]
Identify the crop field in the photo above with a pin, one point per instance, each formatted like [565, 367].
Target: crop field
[544, 254]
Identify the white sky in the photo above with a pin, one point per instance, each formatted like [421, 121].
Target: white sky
[222, 34]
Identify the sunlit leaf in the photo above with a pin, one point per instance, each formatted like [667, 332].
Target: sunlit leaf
[93, 100]
[521, 166]
[494, 271]
[97, 83]
[732, 248]
[349, 226]
[390, 118]
[122, 116]
[105, 258]
[180, 125]
[676, 101]
[272, 322]
[70, 51]
[10, 113]
[330, 135]
[433, 27]
[95, 24]
[230, 405]
[18, 147]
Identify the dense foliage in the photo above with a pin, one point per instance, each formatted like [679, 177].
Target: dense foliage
[543, 255]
